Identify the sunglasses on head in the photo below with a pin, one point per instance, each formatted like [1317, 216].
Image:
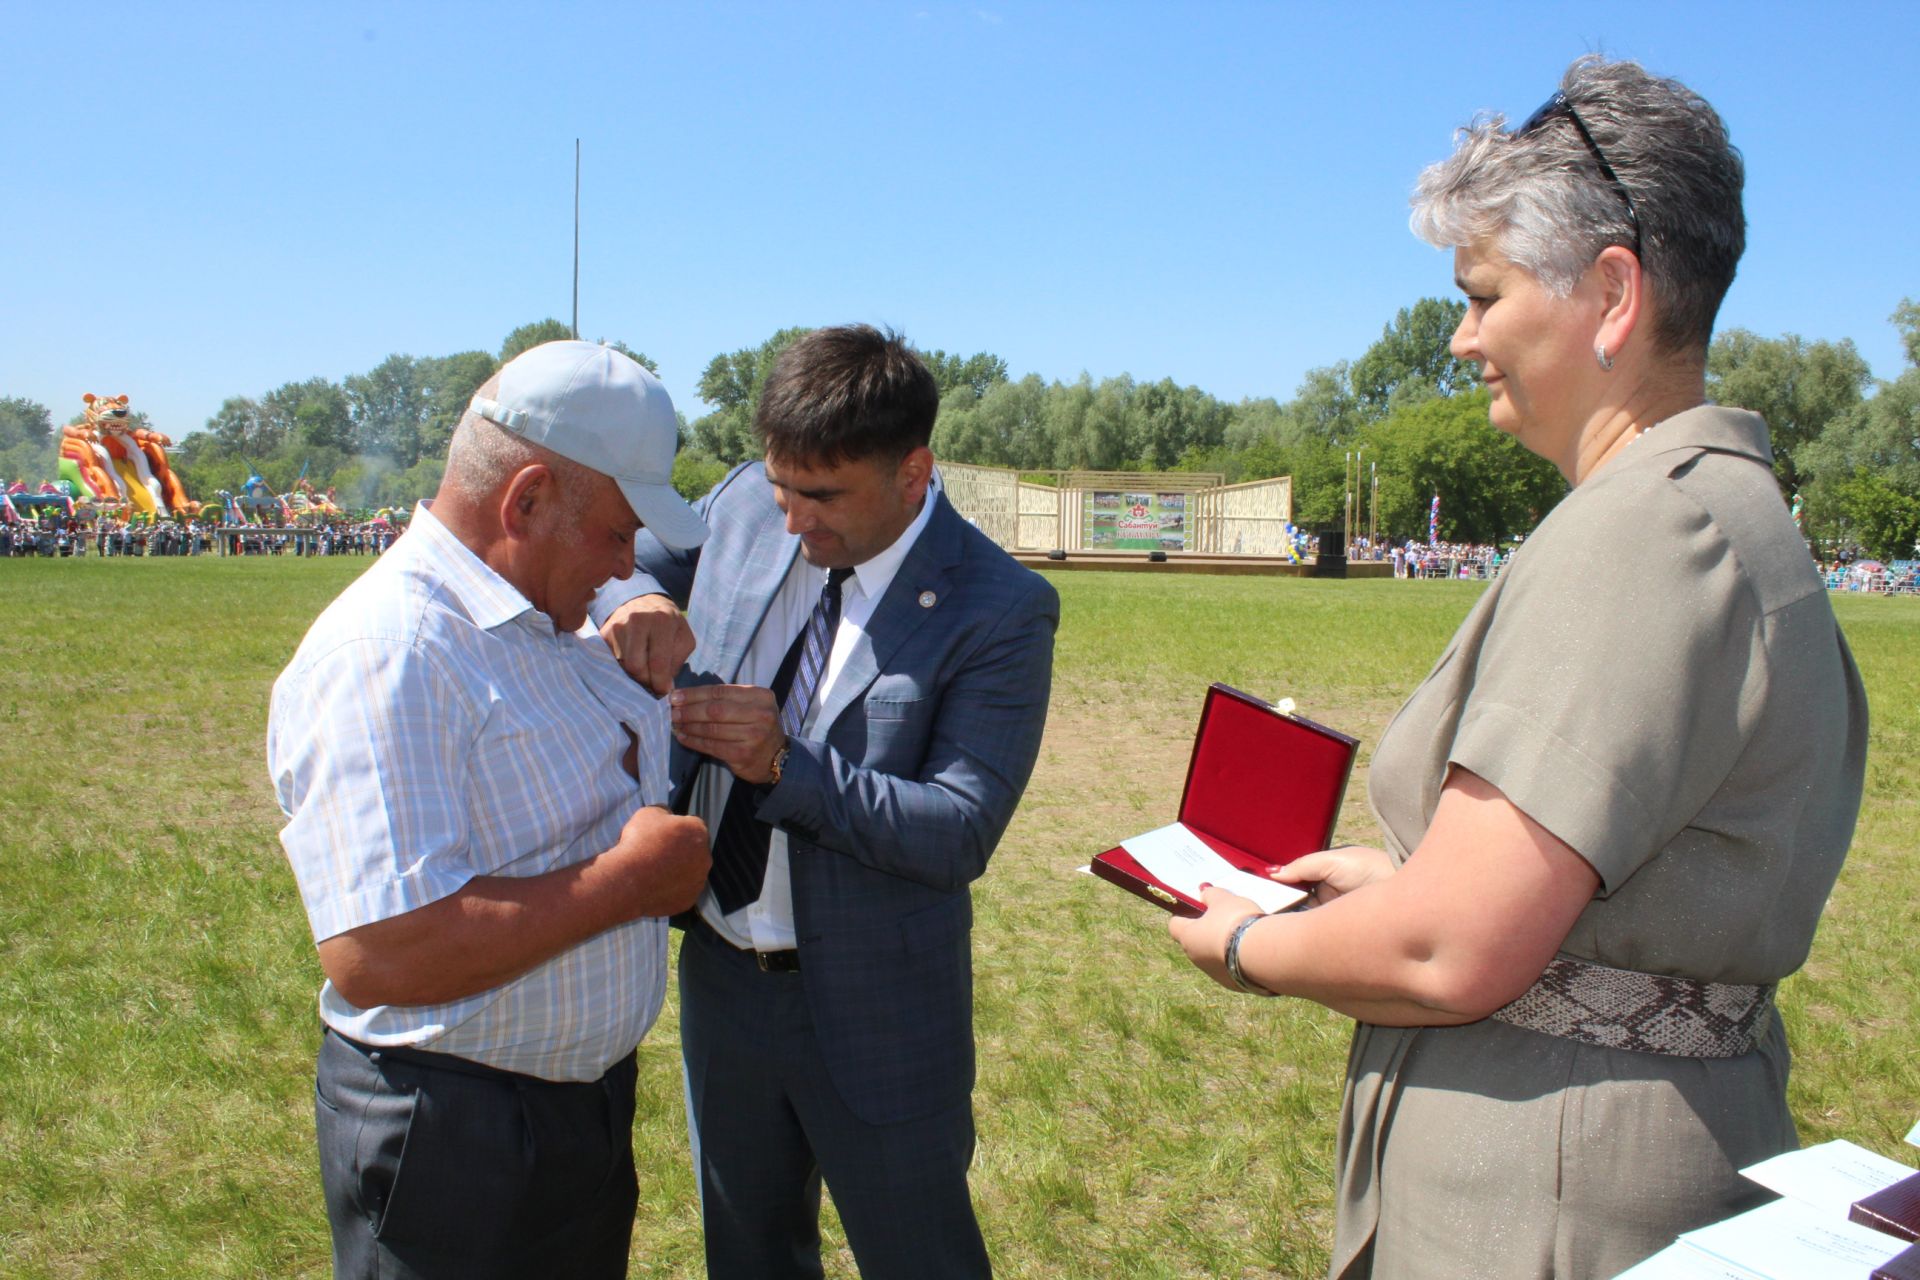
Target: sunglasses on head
[1558, 105]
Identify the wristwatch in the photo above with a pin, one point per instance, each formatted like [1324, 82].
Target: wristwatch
[779, 763]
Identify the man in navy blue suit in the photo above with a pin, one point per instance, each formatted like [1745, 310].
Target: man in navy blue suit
[858, 720]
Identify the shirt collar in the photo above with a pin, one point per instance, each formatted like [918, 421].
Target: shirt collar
[1705, 427]
[876, 575]
[488, 598]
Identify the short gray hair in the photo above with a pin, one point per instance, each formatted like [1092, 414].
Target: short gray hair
[1542, 202]
[482, 454]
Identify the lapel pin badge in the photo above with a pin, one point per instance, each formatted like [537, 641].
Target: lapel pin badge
[927, 599]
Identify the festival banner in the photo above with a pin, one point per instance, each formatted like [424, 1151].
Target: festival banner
[1135, 521]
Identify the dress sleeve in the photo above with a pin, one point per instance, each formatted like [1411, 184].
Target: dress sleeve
[1610, 697]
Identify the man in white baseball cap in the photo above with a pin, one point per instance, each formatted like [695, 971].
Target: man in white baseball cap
[474, 791]
[601, 409]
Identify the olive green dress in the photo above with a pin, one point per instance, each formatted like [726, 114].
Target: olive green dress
[1658, 680]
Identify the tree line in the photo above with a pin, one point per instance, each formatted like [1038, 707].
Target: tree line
[1847, 445]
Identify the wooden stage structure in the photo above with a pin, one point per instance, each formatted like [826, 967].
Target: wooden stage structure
[1202, 562]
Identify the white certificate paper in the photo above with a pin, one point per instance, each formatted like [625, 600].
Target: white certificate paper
[1787, 1240]
[1182, 861]
[1830, 1177]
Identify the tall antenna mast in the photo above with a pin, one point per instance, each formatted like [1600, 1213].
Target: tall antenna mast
[576, 238]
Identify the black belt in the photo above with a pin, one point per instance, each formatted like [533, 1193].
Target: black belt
[769, 961]
[462, 1066]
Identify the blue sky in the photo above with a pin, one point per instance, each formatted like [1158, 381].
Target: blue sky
[212, 200]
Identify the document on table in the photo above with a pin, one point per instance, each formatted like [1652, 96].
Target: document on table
[1829, 1177]
[1793, 1241]
[1182, 861]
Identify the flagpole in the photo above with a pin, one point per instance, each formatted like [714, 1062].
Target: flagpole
[576, 238]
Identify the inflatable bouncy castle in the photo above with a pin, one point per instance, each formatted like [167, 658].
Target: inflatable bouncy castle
[111, 460]
[310, 506]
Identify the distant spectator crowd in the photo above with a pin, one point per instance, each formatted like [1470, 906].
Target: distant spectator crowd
[1851, 569]
[1411, 559]
[60, 535]
[1843, 569]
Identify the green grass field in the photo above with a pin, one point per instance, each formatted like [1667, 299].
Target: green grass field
[157, 1019]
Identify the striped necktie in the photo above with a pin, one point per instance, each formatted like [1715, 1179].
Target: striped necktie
[740, 845]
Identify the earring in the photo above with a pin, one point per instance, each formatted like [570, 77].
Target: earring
[1606, 361]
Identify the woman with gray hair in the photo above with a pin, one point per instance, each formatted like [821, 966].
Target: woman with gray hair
[1615, 808]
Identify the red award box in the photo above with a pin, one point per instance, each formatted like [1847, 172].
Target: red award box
[1263, 788]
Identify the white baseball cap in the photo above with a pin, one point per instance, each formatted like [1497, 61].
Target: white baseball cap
[603, 410]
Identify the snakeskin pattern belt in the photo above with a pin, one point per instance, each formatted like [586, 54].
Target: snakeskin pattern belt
[1645, 1012]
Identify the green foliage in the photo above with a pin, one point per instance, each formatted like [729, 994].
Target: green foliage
[24, 421]
[1004, 427]
[29, 448]
[977, 373]
[695, 472]
[1324, 406]
[1799, 387]
[731, 384]
[1882, 515]
[532, 335]
[1413, 360]
[451, 382]
[406, 408]
[378, 438]
[1405, 402]
[388, 404]
[1862, 473]
[1114, 425]
[30, 463]
[1906, 318]
[1491, 489]
[1420, 413]
[638, 357]
[314, 414]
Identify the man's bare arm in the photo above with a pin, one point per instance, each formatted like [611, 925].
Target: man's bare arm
[496, 928]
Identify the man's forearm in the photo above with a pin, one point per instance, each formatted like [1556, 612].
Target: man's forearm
[495, 928]
[492, 930]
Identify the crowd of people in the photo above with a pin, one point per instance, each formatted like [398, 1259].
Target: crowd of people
[1446, 560]
[364, 539]
[55, 535]
[1413, 559]
[44, 536]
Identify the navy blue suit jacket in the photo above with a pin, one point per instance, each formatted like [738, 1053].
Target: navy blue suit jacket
[920, 752]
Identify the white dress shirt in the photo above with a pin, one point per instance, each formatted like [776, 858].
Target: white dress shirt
[766, 924]
[433, 727]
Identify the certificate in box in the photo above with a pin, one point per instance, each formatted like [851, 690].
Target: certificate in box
[1263, 788]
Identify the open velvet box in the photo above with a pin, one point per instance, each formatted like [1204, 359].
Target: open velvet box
[1263, 788]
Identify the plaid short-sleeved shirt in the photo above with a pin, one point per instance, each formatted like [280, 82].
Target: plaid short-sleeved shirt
[433, 727]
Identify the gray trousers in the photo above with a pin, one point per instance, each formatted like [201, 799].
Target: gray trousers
[434, 1166]
[766, 1122]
